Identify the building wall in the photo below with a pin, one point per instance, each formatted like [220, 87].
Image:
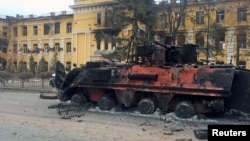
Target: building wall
[22, 34]
[85, 26]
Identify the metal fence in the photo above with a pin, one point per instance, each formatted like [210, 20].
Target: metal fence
[32, 84]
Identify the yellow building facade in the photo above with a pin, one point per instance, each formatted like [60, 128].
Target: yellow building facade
[73, 36]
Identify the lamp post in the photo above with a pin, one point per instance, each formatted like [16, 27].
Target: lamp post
[208, 24]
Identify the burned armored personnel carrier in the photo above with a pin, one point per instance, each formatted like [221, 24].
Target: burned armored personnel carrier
[159, 76]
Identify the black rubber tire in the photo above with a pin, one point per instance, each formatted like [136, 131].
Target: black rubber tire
[78, 99]
[184, 110]
[106, 103]
[48, 96]
[146, 106]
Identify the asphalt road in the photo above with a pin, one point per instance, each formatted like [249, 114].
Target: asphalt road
[26, 117]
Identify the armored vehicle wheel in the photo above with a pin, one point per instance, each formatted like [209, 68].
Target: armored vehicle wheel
[146, 106]
[106, 103]
[184, 109]
[78, 99]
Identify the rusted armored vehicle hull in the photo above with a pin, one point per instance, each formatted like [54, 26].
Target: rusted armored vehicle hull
[160, 77]
[185, 89]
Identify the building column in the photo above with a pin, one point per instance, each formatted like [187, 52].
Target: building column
[190, 36]
[230, 46]
[62, 52]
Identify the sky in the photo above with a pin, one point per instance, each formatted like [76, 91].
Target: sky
[35, 7]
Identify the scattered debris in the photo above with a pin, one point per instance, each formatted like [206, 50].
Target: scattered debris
[170, 132]
[177, 130]
[80, 120]
[68, 110]
[201, 133]
[48, 95]
[183, 140]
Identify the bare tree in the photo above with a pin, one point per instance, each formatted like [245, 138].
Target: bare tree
[140, 15]
[172, 15]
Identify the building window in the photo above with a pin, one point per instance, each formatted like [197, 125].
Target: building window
[35, 48]
[35, 30]
[68, 66]
[46, 48]
[181, 39]
[46, 29]
[57, 47]
[68, 47]
[69, 27]
[220, 15]
[106, 23]
[199, 18]
[25, 49]
[98, 43]
[35, 64]
[5, 31]
[242, 64]
[24, 33]
[4, 50]
[106, 45]
[163, 21]
[15, 49]
[57, 28]
[242, 14]
[99, 18]
[15, 31]
[199, 39]
[241, 40]
[220, 40]
[113, 43]
[182, 19]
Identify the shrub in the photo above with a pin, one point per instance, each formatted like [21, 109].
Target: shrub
[25, 75]
[45, 75]
[6, 75]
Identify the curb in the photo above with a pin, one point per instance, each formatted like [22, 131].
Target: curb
[26, 89]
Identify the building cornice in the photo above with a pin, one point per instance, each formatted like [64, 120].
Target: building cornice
[92, 4]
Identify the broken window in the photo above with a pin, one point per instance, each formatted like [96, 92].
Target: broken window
[35, 30]
[69, 27]
[46, 29]
[24, 33]
[57, 28]
[199, 18]
[220, 15]
[242, 14]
